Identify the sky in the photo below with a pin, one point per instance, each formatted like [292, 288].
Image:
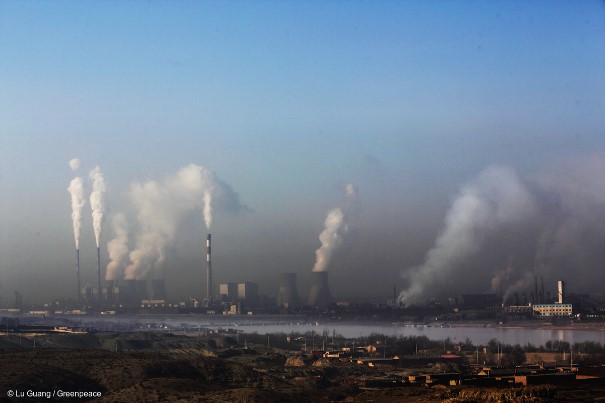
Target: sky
[429, 108]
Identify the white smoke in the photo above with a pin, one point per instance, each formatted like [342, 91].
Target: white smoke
[208, 208]
[496, 199]
[74, 164]
[76, 190]
[117, 248]
[334, 229]
[97, 201]
[161, 206]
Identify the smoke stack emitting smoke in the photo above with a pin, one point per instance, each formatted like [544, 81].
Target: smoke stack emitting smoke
[331, 239]
[160, 206]
[76, 190]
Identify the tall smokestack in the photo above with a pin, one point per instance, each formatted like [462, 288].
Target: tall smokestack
[78, 274]
[542, 290]
[560, 291]
[320, 291]
[99, 274]
[536, 300]
[209, 295]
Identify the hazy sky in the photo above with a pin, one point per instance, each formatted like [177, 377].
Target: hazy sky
[287, 103]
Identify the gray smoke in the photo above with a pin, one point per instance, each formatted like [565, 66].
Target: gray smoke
[97, 201]
[552, 226]
[118, 248]
[160, 207]
[495, 199]
[334, 229]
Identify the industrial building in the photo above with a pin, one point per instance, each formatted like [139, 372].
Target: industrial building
[553, 309]
[288, 292]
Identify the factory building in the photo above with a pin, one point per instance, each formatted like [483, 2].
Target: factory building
[553, 310]
[239, 292]
[227, 292]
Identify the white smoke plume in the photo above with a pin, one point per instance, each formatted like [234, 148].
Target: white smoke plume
[334, 229]
[117, 248]
[74, 164]
[496, 199]
[97, 201]
[208, 209]
[160, 207]
[76, 190]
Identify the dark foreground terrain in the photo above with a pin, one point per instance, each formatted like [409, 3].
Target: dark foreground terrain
[153, 367]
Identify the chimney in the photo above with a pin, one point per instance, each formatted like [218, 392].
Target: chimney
[320, 291]
[209, 295]
[288, 292]
[78, 274]
[99, 275]
[560, 291]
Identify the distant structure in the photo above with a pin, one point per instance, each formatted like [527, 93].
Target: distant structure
[319, 296]
[209, 295]
[560, 308]
[288, 292]
[158, 289]
[227, 292]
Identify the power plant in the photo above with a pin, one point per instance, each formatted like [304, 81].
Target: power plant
[288, 292]
[319, 296]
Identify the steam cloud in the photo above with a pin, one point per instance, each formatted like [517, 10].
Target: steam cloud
[495, 199]
[334, 229]
[97, 201]
[160, 207]
[76, 190]
[74, 164]
[550, 226]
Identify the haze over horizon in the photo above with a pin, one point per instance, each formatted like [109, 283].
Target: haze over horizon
[473, 133]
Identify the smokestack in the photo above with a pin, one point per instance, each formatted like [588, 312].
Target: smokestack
[320, 291]
[560, 291]
[209, 295]
[288, 292]
[536, 300]
[99, 274]
[78, 274]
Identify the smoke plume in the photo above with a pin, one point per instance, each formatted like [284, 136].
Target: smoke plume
[117, 248]
[97, 201]
[495, 200]
[334, 229]
[161, 207]
[74, 164]
[76, 190]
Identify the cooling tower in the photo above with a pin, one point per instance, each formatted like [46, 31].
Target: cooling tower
[288, 293]
[320, 291]
[141, 290]
[158, 289]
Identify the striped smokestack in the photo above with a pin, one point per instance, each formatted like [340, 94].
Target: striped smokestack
[209, 295]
